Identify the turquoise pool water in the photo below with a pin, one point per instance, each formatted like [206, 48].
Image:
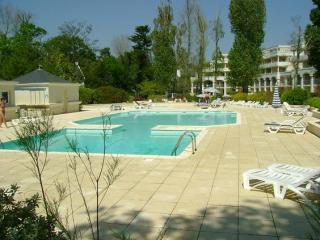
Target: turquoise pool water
[135, 135]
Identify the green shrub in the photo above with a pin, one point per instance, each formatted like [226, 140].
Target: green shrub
[148, 88]
[87, 95]
[191, 98]
[313, 102]
[108, 94]
[19, 219]
[240, 96]
[156, 98]
[257, 97]
[296, 96]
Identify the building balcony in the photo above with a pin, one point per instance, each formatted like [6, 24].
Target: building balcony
[275, 64]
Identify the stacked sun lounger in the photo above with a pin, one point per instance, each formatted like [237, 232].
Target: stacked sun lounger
[250, 104]
[294, 110]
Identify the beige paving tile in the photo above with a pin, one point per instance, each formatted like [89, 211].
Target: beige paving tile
[216, 211]
[175, 234]
[142, 232]
[293, 228]
[219, 225]
[190, 208]
[225, 199]
[165, 197]
[150, 219]
[256, 237]
[257, 227]
[217, 236]
[184, 222]
[159, 207]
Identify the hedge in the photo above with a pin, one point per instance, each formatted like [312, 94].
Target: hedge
[295, 96]
[313, 102]
[106, 94]
[87, 95]
[110, 94]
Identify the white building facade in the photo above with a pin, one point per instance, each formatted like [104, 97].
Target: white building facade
[276, 68]
[210, 81]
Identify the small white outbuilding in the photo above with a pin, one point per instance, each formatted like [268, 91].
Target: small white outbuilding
[41, 89]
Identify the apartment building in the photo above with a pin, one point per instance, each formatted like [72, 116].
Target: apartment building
[209, 81]
[276, 68]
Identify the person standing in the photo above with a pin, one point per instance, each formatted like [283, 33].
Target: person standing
[3, 112]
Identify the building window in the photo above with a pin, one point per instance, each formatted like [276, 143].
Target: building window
[5, 95]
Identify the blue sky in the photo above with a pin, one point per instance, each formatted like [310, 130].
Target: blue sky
[115, 17]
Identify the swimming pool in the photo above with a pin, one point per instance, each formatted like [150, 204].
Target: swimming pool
[135, 134]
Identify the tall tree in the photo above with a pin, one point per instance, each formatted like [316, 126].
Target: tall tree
[184, 46]
[189, 11]
[142, 43]
[297, 46]
[163, 37]
[21, 53]
[120, 45]
[202, 44]
[247, 19]
[312, 36]
[11, 18]
[217, 57]
[183, 65]
[62, 53]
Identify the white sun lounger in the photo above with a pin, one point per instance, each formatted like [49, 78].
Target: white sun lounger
[281, 182]
[290, 111]
[297, 126]
[294, 169]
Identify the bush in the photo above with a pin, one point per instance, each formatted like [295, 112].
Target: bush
[191, 98]
[261, 97]
[313, 102]
[156, 98]
[296, 96]
[19, 219]
[240, 96]
[87, 95]
[108, 94]
[148, 88]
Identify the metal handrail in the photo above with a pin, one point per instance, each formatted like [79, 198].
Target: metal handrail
[190, 134]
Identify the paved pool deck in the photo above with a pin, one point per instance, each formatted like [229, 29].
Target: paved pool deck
[197, 197]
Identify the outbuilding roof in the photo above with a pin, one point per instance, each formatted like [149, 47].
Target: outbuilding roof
[39, 76]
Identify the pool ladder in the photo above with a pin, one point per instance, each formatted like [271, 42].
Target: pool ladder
[190, 134]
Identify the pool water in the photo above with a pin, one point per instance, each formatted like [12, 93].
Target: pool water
[135, 135]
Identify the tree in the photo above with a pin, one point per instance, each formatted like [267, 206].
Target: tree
[297, 47]
[62, 53]
[247, 19]
[22, 52]
[120, 44]
[11, 18]
[312, 36]
[163, 39]
[202, 44]
[184, 44]
[217, 57]
[142, 43]
[75, 29]
[182, 60]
